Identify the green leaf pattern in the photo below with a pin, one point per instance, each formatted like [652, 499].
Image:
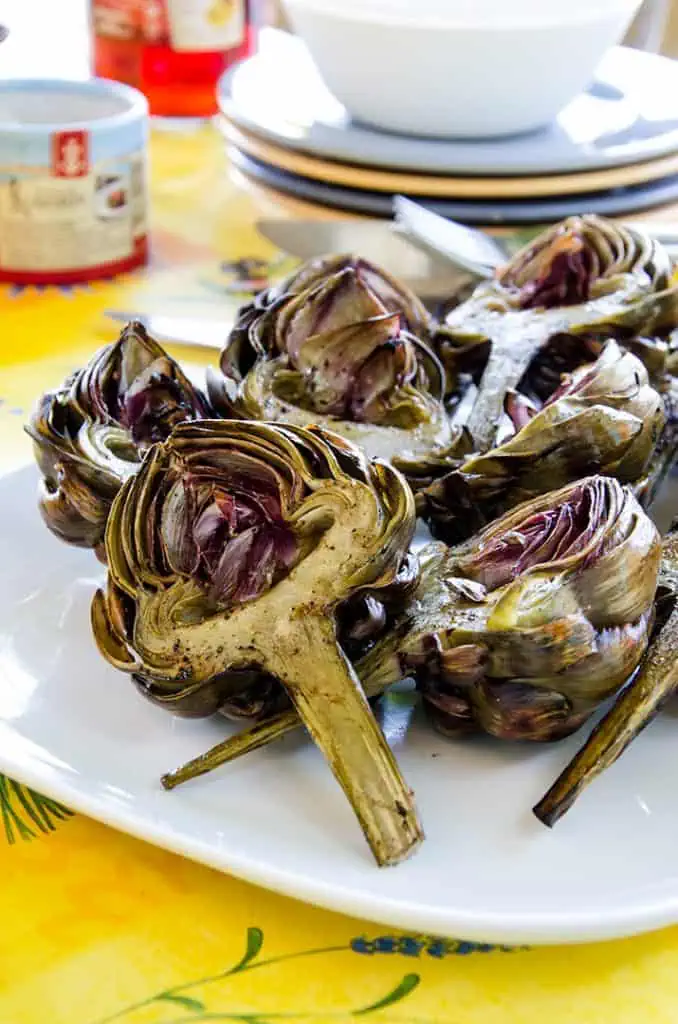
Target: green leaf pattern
[250, 961]
[27, 814]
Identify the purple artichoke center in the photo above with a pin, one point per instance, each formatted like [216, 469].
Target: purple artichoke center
[549, 535]
[558, 273]
[154, 403]
[234, 541]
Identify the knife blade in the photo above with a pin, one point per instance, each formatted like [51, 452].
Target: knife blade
[465, 247]
[428, 275]
[191, 331]
[479, 252]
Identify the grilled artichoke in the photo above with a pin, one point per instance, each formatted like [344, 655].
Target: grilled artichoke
[605, 417]
[229, 552]
[89, 434]
[520, 632]
[344, 344]
[244, 346]
[634, 707]
[584, 276]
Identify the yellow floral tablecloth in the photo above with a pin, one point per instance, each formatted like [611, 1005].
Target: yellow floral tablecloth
[96, 926]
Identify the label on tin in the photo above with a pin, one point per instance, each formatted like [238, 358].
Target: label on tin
[70, 154]
[71, 215]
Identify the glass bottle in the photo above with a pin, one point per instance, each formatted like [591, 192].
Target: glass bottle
[172, 50]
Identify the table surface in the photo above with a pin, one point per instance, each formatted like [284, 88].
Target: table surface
[98, 926]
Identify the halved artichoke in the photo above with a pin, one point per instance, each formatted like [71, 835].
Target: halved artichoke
[523, 630]
[229, 552]
[605, 417]
[634, 707]
[89, 434]
[520, 632]
[586, 275]
[343, 344]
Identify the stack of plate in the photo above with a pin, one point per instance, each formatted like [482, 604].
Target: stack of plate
[613, 150]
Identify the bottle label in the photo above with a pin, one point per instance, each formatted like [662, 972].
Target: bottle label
[208, 25]
[184, 25]
[117, 19]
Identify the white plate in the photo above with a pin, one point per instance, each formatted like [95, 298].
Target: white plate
[611, 202]
[628, 114]
[77, 730]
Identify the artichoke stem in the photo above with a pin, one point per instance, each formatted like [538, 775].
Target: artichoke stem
[633, 709]
[377, 670]
[258, 735]
[510, 357]
[332, 705]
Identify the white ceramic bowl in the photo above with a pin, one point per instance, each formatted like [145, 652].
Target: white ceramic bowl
[464, 68]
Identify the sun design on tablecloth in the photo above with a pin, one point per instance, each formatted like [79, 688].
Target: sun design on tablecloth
[27, 814]
[15, 291]
[185, 998]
